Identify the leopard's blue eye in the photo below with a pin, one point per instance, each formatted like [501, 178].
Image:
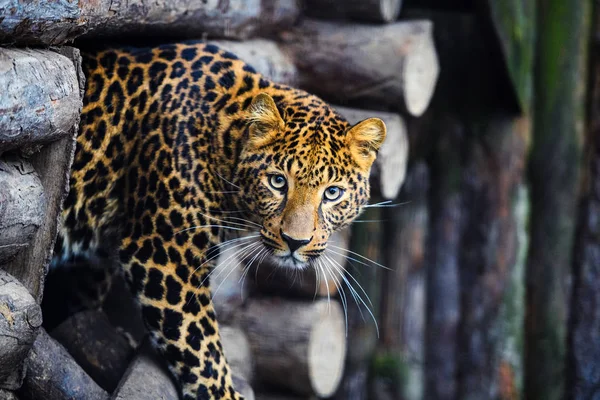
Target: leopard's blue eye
[333, 193]
[277, 182]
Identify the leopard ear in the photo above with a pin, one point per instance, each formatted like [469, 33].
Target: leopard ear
[365, 138]
[265, 119]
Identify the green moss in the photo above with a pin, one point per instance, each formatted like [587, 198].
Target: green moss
[514, 22]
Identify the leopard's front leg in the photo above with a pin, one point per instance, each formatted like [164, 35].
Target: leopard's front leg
[169, 282]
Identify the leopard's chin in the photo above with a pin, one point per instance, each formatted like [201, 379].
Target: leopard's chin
[290, 261]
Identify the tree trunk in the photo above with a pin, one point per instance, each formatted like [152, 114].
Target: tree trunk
[493, 172]
[53, 163]
[555, 162]
[360, 10]
[391, 65]
[53, 374]
[442, 272]
[20, 318]
[296, 345]
[46, 22]
[398, 372]
[584, 340]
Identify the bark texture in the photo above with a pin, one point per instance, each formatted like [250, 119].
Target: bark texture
[555, 163]
[20, 318]
[442, 272]
[53, 163]
[53, 374]
[95, 344]
[145, 379]
[40, 100]
[584, 340]
[22, 205]
[48, 22]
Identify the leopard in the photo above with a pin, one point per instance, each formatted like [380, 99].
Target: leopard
[178, 144]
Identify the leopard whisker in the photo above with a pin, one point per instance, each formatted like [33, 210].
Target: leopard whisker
[249, 264]
[231, 263]
[356, 295]
[358, 255]
[219, 247]
[228, 222]
[236, 265]
[244, 220]
[385, 204]
[341, 292]
[245, 246]
[232, 184]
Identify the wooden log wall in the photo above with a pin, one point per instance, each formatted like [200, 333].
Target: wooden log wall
[36, 148]
[452, 298]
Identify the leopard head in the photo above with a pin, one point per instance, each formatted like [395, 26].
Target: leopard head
[303, 173]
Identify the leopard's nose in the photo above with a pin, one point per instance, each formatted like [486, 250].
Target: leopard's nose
[294, 244]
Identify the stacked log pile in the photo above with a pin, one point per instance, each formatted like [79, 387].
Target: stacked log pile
[277, 336]
[480, 245]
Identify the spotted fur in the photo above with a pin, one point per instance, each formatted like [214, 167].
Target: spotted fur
[173, 140]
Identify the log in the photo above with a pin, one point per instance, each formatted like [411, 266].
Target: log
[40, 101]
[7, 395]
[53, 163]
[237, 351]
[273, 280]
[555, 163]
[266, 57]
[296, 345]
[20, 318]
[22, 205]
[47, 23]
[391, 65]
[147, 379]
[360, 10]
[95, 344]
[53, 374]
[389, 170]
[124, 312]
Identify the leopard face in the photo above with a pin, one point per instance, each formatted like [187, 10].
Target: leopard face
[302, 181]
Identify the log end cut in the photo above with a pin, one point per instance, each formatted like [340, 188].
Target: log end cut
[326, 352]
[421, 70]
